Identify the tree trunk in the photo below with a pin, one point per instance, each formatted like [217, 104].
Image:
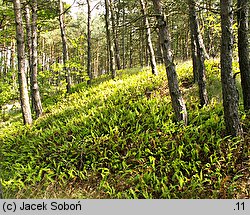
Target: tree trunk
[12, 63]
[243, 50]
[142, 45]
[229, 91]
[65, 46]
[23, 89]
[194, 58]
[36, 99]
[28, 39]
[149, 41]
[123, 39]
[195, 33]
[89, 61]
[109, 41]
[115, 37]
[44, 57]
[130, 48]
[176, 97]
[5, 60]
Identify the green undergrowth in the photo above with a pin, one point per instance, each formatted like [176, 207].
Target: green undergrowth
[119, 139]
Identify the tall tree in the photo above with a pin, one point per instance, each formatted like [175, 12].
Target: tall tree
[229, 91]
[123, 37]
[149, 40]
[35, 94]
[23, 88]
[89, 63]
[28, 36]
[115, 36]
[194, 58]
[65, 46]
[176, 97]
[109, 40]
[198, 49]
[243, 49]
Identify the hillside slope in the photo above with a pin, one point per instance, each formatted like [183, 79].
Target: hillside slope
[118, 139]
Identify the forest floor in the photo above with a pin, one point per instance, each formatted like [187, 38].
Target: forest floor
[119, 139]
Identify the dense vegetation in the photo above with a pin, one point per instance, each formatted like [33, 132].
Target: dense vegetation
[119, 139]
[92, 104]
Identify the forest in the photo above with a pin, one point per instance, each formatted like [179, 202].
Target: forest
[125, 99]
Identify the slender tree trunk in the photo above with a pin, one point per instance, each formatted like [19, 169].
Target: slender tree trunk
[176, 97]
[65, 46]
[5, 60]
[194, 58]
[115, 37]
[109, 41]
[160, 51]
[36, 99]
[24, 96]
[12, 63]
[149, 41]
[142, 45]
[44, 57]
[243, 50]
[229, 91]
[89, 61]
[28, 39]
[195, 32]
[123, 40]
[130, 48]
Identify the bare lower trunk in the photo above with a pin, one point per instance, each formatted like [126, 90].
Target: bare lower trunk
[36, 99]
[123, 40]
[130, 48]
[24, 96]
[12, 63]
[195, 33]
[65, 47]
[149, 41]
[194, 58]
[89, 63]
[28, 37]
[115, 37]
[230, 94]
[243, 50]
[109, 41]
[176, 97]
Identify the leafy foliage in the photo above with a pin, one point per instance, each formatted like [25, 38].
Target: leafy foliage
[119, 138]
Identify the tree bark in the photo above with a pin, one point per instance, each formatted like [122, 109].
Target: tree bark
[65, 46]
[200, 58]
[229, 91]
[123, 39]
[194, 58]
[149, 41]
[115, 37]
[130, 47]
[89, 61]
[36, 99]
[142, 44]
[28, 38]
[243, 50]
[23, 89]
[175, 93]
[12, 63]
[109, 41]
